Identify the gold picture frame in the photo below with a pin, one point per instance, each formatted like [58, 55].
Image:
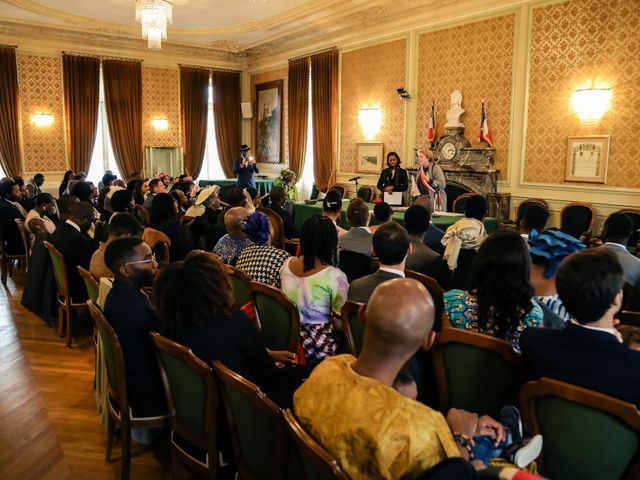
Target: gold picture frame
[369, 158]
[587, 158]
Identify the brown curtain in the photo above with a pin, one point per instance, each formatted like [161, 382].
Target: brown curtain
[10, 155]
[298, 112]
[194, 90]
[81, 101]
[123, 100]
[324, 106]
[226, 111]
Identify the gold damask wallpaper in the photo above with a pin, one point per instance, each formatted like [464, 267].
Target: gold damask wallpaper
[40, 90]
[572, 45]
[280, 74]
[476, 59]
[160, 98]
[370, 77]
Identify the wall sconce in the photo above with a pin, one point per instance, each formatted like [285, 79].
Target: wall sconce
[590, 104]
[160, 123]
[42, 119]
[370, 121]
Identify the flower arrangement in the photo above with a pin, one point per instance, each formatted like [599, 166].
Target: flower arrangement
[287, 180]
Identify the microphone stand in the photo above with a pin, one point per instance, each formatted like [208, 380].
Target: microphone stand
[356, 182]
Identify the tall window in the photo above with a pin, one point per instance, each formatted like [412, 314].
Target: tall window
[305, 183]
[102, 158]
[211, 167]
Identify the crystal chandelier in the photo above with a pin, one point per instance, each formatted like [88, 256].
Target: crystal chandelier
[154, 15]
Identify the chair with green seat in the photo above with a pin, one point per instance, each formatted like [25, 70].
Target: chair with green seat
[241, 287]
[435, 290]
[258, 434]
[587, 435]
[278, 317]
[353, 326]
[475, 372]
[193, 399]
[90, 283]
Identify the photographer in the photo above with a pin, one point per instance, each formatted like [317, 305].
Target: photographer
[244, 167]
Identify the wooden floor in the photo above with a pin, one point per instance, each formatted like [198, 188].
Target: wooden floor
[48, 419]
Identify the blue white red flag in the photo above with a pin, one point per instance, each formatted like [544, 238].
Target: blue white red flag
[484, 135]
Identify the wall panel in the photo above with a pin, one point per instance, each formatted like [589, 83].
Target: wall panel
[160, 98]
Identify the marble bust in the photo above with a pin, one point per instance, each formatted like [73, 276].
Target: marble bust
[456, 110]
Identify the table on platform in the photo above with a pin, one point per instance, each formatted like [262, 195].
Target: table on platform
[302, 212]
[264, 185]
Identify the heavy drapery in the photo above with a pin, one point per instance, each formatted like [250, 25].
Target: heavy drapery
[123, 100]
[194, 90]
[81, 102]
[226, 111]
[10, 155]
[298, 112]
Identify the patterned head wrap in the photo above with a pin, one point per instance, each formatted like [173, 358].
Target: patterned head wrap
[553, 246]
[256, 226]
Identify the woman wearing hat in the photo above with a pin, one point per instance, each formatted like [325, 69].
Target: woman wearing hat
[244, 167]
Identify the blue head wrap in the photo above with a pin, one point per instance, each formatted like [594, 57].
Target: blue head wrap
[553, 246]
[256, 226]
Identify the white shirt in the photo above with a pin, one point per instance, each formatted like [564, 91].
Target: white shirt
[74, 225]
[395, 271]
[49, 226]
[611, 331]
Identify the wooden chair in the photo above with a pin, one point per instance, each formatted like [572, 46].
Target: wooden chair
[525, 204]
[278, 316]
[436, 292]
[291, 246]
[258, 434]
[355, 265]
[634, 214]
[353, 326]
[142, 214]
[241, 286]
[587, 435]
[65, 303]
[475, 372]
[366, 194]
[162, 252]
[318, 464]
[91, 283]
[119, 411]
[26, 242]
[278, 226]
[6, 260]
[193, 400]
[628, 317]
[630, 297]
[460, 202]
[577, 219]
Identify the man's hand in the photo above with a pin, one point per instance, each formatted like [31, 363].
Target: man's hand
[283, 356]
[463, 422]
[388, 189]
[492, 428]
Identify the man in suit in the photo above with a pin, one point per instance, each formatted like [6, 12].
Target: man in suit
[277, 196]
[391, 245]
[423, 259]
[10, 210]
[244, 167]
[432, 238]
[617, 231]
[358, 238]
[132, 317]
[72, 241]
[588, 353]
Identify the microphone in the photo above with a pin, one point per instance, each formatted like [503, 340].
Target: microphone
[355, 178]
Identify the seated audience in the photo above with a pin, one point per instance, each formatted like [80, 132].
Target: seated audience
[587, 352]
[231, 245]
[261, 261]
[76, 247]
[548, 249]
[316, 287]
[37, 219]
[432, 238]
[206, 211]
[65, 203]
[34, 187]
[235, 198]
[155, 187]
[65, 182]
[122, 225]
[617, 231]
[121, 202]
[391, 244]
[132, 317]
[24, 193]
[165, 179]
[358, 238]
[277, 196]
[383, 214]
[140, 190]
[181, 200]
[82, 190]
[253, 199]
[10, 210]
[332, 209]
[498, 301]
[535, 218]
[164, 217]
[207, 196]
[422, 259]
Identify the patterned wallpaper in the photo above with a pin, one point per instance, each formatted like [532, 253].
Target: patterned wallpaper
[40, 90]
[573, 43]
[477, 59]
[370, 77]
[280, 74]
[160, 98]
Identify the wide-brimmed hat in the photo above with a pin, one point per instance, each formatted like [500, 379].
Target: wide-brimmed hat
[205, 193]
[244, 147]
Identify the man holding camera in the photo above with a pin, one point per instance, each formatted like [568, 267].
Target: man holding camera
[244, 167]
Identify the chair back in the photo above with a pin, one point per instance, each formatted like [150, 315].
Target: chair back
[475, 372]
[460, 202]
[628, 317]
[142, 214]
[525, 204]
[353, 326]
[257, 432]
[278, 316]
[577, 219]
[59, 271]
[365, 194]
[436, 292]
[587, 435]
[291, 247]
[90, 283]
[162, 251]
[277, 225]
[354, 264]
[192, 397]
[339, 189]
[25, 235]
[634, 215]
[318, 464]
[241, 286]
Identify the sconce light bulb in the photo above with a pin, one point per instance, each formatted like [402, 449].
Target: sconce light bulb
[590, 104]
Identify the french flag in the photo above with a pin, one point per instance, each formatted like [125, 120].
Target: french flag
[484, 134]
[431, 131]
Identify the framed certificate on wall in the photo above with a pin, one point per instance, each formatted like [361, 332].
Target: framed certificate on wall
[587, 159]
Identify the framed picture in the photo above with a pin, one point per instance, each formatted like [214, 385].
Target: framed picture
[369, 158]
[268, 140]
[587, 159]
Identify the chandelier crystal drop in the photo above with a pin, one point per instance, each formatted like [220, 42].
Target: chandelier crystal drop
[154, 15]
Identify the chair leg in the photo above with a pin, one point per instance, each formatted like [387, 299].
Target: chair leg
[126, 452]
[3, 265]
[11, 263]
[60, 320]
[68, 326]
[110, 437]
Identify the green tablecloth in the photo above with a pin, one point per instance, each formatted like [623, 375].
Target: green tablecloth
[264, 185]
[302, 212]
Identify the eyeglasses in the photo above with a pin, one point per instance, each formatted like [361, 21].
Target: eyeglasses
[148, 260]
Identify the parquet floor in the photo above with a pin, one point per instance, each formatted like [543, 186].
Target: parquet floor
[48, 419]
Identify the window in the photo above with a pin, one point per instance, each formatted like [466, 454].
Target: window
[211, 167]
[305, 183]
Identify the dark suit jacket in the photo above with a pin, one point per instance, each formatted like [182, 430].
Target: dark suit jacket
[179, 247]
[432, 238]
[76, 248]
[399, 182]
[356, 240]
[130, 314]
[10, 233]
[424, 260]
[583, 357]
[290, 230]
[361, 289]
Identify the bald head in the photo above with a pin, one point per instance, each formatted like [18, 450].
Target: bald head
[399, 317]
[232, 220]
